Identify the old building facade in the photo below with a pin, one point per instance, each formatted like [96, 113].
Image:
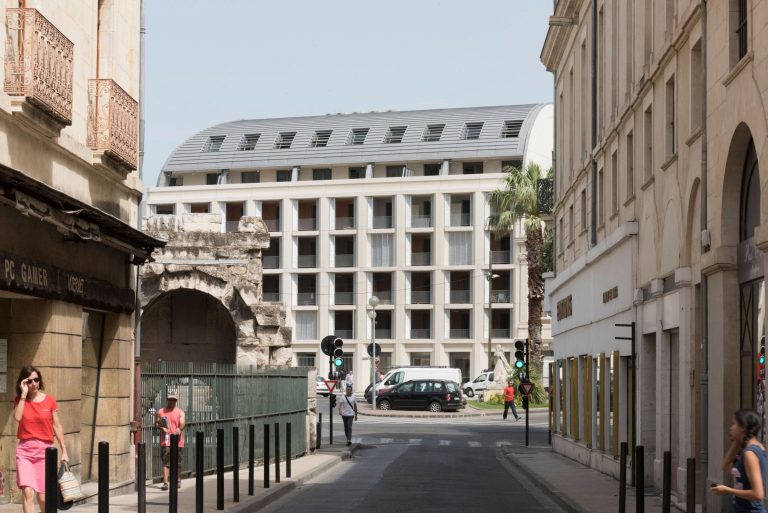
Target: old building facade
[661, 127]
[69, 194]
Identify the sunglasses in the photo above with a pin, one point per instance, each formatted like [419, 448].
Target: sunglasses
[32, 380]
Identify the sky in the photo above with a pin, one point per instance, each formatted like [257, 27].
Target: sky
[214, 61]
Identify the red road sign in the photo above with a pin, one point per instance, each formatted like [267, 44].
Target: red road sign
[330, 384]
[527, 388]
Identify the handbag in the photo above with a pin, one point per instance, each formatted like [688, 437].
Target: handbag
[68, 484]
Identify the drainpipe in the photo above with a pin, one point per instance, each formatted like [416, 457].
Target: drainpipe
[593, 228]
[704, 378]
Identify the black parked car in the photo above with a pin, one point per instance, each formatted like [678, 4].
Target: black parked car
[424, 394]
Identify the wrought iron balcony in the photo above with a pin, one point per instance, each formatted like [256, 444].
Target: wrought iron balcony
[113, 121]
[38, 63]
[545, 195]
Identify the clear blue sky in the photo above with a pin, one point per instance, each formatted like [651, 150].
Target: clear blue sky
[212, 61]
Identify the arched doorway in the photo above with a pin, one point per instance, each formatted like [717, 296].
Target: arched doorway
[187, 325]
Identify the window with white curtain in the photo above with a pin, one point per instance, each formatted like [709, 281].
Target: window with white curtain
[381, 249]
[460, 248]
[306, 325]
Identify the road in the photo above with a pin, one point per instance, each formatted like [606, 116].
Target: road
[424, 465]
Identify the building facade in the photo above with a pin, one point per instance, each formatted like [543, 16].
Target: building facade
[391, 204]
[657, 298]
[69, 194]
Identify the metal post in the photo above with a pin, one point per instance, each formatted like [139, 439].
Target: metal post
[288, 449]
[667, 483]
[51, 481]
[103, 480]
[640, 479]
[199, 469]
[320, 429]
[220, 469]
[690, 487]
[251, 456]
[277, 452]
[266, 455]
[141, 477]
[173, 496]
[623, 478]
[373, 359]
[526, 399]
[235, 464]
[490, 309]
[330, 426]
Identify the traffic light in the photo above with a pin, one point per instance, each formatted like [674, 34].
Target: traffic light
[519, 354]
[332, 399]
[327, 345]
[338, 352]
[761, 361]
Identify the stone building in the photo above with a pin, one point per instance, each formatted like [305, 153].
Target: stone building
[69, 192]
[659, 223]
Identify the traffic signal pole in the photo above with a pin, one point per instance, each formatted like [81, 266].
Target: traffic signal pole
[527, 399]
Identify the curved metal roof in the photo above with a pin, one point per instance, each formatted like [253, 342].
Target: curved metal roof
[198, 153]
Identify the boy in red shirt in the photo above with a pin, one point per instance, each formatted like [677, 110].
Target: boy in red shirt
[509, 400]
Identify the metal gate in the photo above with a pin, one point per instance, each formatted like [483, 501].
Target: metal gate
[220, 396]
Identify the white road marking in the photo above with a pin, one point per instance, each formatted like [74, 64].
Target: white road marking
[445, 442]
[472, 443]
[414, 441]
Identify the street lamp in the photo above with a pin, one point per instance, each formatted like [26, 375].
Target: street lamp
[373, 301]
[490, 276]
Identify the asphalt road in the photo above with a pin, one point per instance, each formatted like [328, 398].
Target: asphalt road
[424, 465]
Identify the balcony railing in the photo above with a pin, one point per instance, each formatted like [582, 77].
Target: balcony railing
[272, 297]
[305, 298]
[545, 195]
[231, 226]
[270, 261]
[421, 297]
[460, 219]
[385, 296]
[501, 333]
[459, 333]
[419, 221]
[345, 260]
[421, 333]
[307, 225]
[383, 333]
[113, 121]
[344, 334]
[344, 298]
[345, 223]
[421, 258]
[460, 296]
[382, 221]
[307, 260]
[501, 296]
[38, 63]
[501, 257]
[273, 225]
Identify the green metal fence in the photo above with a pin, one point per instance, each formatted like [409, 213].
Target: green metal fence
[220, 396]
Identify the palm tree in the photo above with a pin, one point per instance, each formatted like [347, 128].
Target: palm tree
[515, 201]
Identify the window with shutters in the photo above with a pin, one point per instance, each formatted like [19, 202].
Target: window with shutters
[512, 128]
[214, 143]
[320, 139]
[357, 135]
[433, 133]
[248, 142]
[472, 130]
[395, 134]
[284, 140]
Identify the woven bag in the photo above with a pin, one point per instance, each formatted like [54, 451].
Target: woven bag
[68, 484]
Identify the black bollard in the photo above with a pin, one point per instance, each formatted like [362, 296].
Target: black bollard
[52, 480]
[319, 430]
[666, 491]
[251, 456]
[219, 469]
[288, 449]
[623, 478]
[266, 455]
[141, 479]
[277, 452]
[199, 470]
[103, 478]
[640, 479]
[690, 487]
[236, 464]
[173, 495]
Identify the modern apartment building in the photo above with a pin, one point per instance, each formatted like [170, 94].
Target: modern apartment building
[391, 204]
[658, 294]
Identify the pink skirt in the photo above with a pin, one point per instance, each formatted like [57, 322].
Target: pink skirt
[30, 464]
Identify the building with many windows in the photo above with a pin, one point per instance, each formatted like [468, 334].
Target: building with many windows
[391, 204]
[658, 296]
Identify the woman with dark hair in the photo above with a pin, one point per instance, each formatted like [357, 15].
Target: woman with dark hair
[745, 461]
[38, 418]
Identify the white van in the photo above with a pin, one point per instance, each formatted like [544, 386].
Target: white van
[399, 375]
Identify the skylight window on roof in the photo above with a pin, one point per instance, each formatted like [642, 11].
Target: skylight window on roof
[214, 143]
[511, 128]
[472, 130]
[284, 140]
[320, 139]
[433, 133]
[358, 135]
[248, 142]
[395, 134]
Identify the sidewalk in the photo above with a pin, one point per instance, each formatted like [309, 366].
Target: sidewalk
[302, 469]
[574, 487]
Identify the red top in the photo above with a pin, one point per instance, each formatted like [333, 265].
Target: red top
[37, 419]
[174, 419]
[509, 393]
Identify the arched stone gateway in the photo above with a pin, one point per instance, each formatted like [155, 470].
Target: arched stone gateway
[203, 272]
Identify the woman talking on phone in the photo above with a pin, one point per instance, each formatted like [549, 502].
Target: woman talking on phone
[38, 418]
[745, 461]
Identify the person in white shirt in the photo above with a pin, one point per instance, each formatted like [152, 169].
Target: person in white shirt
[348, 412]
[349, 379]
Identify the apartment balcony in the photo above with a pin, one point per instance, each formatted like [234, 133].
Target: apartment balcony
[421, 297]
[271, 297]
[382, 221]
[385, 297]
[419, 221]
[270, 262]
[38, 70]
[307, 225]
[383, 333]
[113, 123]
[345, 260]
[501, 257]
[459, 333]
[460, 297]
[421, 258]
[501, 296]
[344, 334]
[345, 223]
[307, 261]
[344, 298]
[273, 225]
[460, 219]
[501, 333]
[305, 299]
[231, 226]
[421, 333]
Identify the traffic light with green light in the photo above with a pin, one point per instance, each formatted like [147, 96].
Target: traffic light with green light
[519, 354]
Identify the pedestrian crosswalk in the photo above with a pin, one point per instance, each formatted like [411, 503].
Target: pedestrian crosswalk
[466, 421]
[374, 440]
